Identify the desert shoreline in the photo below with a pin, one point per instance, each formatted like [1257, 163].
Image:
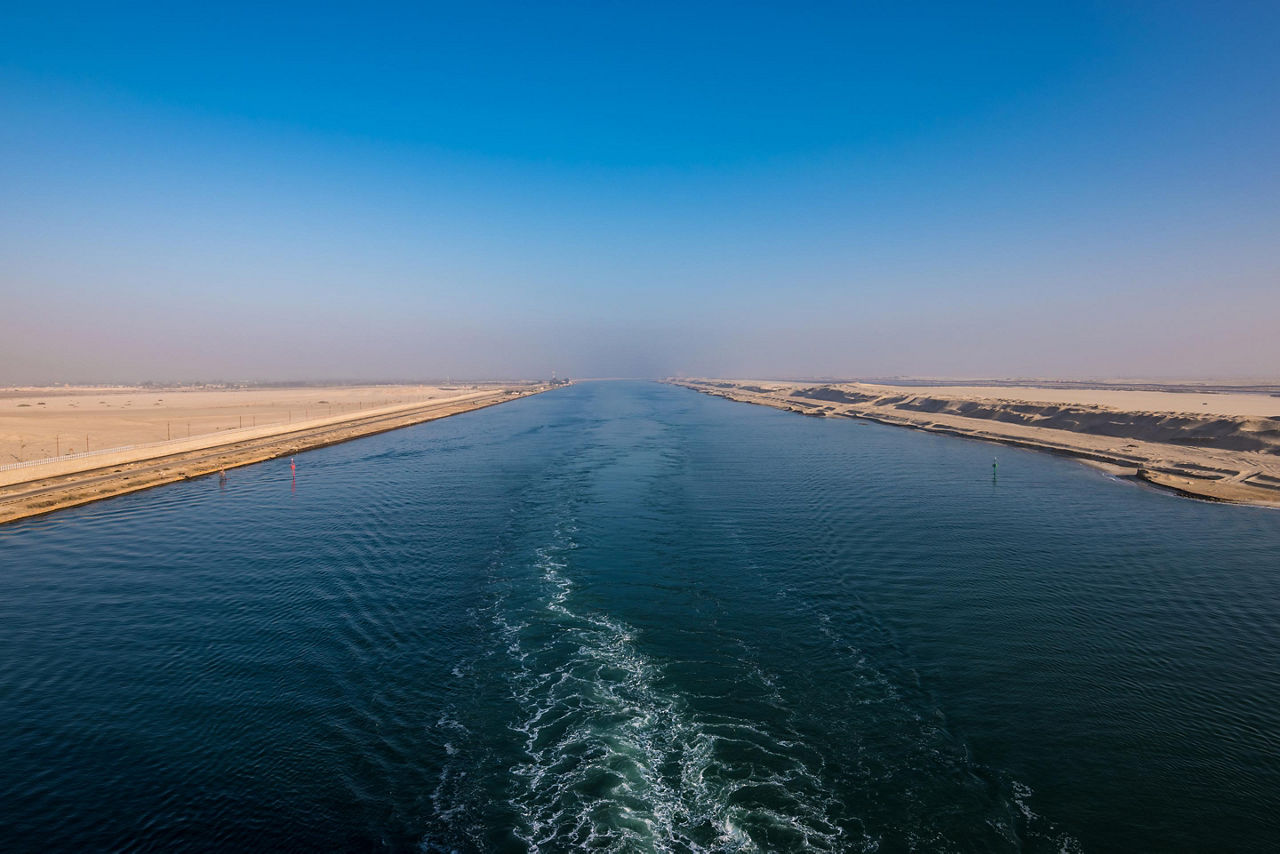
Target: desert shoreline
[1197, 469]
[53, 485]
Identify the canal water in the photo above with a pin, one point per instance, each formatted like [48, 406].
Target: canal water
[632, 617]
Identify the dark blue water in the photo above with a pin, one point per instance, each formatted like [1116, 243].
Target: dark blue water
[632, 617]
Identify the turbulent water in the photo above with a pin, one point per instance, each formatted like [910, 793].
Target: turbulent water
[630, 617]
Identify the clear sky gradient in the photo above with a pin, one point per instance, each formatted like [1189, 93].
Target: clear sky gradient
[272, 191]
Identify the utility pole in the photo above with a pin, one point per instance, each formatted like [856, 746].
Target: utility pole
[57, 445]
[168, 431]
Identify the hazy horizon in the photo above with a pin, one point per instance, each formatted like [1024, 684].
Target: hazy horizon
[1069, 190]
[1263, 382]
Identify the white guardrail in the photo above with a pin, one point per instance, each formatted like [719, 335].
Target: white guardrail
[82, 454]
[230, 431]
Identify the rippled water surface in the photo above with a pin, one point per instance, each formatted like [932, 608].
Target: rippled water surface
[632, 617]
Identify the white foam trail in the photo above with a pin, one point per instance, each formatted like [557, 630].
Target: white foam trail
[615, 761]
[613, 757]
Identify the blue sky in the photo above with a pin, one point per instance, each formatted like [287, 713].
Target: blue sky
[740, 189]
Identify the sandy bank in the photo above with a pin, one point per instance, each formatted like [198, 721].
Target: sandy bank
[35, 489]
[39, 423]
[1223, 447]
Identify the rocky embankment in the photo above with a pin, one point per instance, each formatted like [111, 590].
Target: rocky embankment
[1208, 455]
